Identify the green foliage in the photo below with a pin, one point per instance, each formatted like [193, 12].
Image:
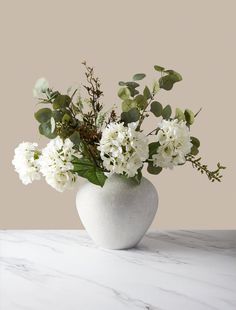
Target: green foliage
[153, 147]
[138, 177]
[159, 68]
[61, 101]
[179, 114]
[139, 76]
[195, 141]
[128, 104]
[43, 115]
[130, 116]
[140, 102]
[166, 112]
[88, 170]
[167, 81]
[147, 93]
[156, 108]
[152, 169]
[124, 93]
[189, 116]
[45, 129]
[131, 86]
[75, 138]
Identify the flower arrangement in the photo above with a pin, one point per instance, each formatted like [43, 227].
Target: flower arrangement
[89, 142]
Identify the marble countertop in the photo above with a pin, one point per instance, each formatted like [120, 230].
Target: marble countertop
[169, 270]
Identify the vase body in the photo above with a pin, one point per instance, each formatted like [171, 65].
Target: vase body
[117, 215]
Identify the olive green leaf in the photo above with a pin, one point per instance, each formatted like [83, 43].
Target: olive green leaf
[139, 76]
[130, 116]
[140, 101]
[153, 147]
[179, 114]
[146, 93]
[189, 116]
[159, 68]
[43, 115]
[156, 108]
[61, 101]
[152, 169]
[124, 93]
[195, 141]
[45, 129]
[75, 138]
[194, 150]
[166, 82]
[166, 112]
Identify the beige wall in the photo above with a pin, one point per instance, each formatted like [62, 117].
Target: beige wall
[51, 38]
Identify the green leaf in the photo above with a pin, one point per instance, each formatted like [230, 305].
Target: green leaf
[156, 108]
[166, 112]
[146, 93]
[189, 116]
[195, 142]
[153, 147]
[61, 101]
[152, 169]
[194, 150]
[132, 88]
[159, 68]
[66, 118]
[140, 101]
[166, 82]
[43, 115]
[124, 93]
[130, 116]
[139, 76]
[121, 83]
[57, 115]
[128, 104]
[179, 114]
[75, 138]
[132, 84]
[45, 129]
[87, 169]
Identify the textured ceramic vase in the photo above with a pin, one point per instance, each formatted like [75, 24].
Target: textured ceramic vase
[117, 215]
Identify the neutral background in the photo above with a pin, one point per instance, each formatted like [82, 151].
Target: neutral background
[120, 38]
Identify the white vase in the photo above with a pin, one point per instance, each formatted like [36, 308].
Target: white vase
[117, 215]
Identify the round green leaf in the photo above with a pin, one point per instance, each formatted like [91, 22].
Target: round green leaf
[128, 104]
[61, 101]
[156, 108]
[179, 114]
[189, 116]
[139, 76]
[130, 116]
[166, 112]
[159, 68]
[140, 101]
[124, 93]
[195, 142]
[43, 115]
[152, 169]
[45, 129]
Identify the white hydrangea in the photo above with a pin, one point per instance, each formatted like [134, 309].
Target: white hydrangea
[175, 144]
[123, 149]
[40, 87]
[26, 162]
[56, 165]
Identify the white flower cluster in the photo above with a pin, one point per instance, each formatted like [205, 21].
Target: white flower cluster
[26, 162]
[53, 162]
[40, 87]
[175, 144]
[123, 149]
[56, 165]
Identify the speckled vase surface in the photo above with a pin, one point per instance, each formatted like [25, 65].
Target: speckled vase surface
[117, 215]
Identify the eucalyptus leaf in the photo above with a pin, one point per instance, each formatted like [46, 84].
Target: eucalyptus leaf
[152, 169]
[43, 115]
[195, 141]
[153, 147]
[159, 68]
[66, 118]
[189, 116]
[166, 112]
[146, 93]
[124, 93]
[75, 138]
[45, 129]
[140, 101]
[166, 82]
[130, 116]
[139, 76]
[156, 108]
[194, 150]
[179, 114]
[61, 101]
[128, 104]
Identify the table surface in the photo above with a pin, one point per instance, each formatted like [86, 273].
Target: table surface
[169, 270]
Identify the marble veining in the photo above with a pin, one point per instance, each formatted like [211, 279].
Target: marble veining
[168, 270]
